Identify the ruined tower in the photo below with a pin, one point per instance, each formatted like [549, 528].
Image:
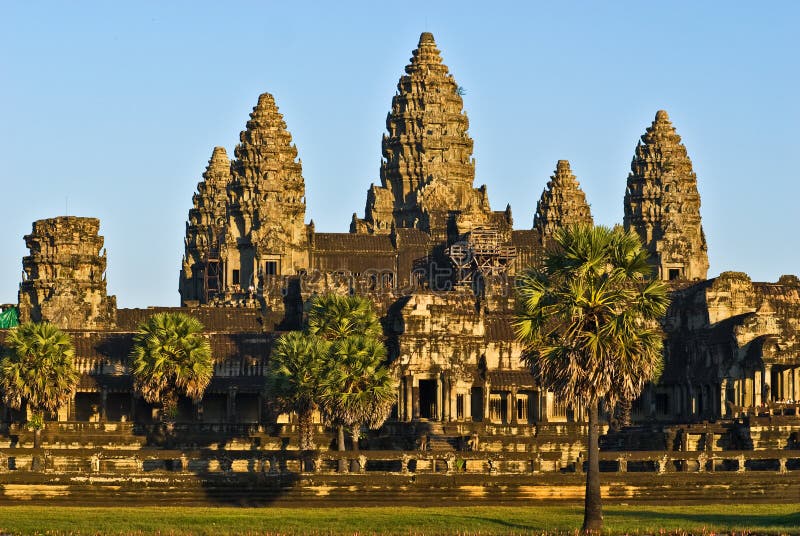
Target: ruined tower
[562, 204]
[427, 171]
[200, 274]
[64, 276]
[663, 206]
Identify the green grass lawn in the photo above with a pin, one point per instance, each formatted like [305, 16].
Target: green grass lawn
[483, 520]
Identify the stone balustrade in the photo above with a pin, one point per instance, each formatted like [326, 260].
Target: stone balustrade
[207, 461]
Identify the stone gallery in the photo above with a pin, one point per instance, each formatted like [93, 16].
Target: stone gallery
[438, 264]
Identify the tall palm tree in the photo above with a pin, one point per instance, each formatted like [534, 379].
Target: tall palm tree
[357, 389]
[296, 366]
[37, 370]
[171, 358]
[589, 320]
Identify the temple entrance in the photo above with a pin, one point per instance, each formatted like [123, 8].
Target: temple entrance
[214, 407]
[427, 399]
[247, 408]
[118, 407]
[87, 407]
[476, 404]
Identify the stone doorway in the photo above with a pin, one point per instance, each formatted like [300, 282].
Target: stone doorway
[427, 399]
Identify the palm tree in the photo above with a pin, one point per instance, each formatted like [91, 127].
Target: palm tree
[295, 371]
[334, 316]
[588, 318]
[171, 358]
[37, 370]
[358, 388]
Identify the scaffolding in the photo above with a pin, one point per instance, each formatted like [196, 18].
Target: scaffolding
[212, 269]
[484, 253]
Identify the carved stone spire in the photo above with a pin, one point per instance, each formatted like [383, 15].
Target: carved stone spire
[663, 206]
[206, 225]
[562, 204]
[428, 170]
[267, 199]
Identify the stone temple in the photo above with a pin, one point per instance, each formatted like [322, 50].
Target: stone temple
[438, 263]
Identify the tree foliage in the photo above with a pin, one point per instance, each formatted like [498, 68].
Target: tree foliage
[358, 388]
[296, 368]
[589, 316]
[337, 365]
[37, 368]
[171, 358]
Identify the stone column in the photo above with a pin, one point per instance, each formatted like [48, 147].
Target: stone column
[514, 415]
[769, 394]
[231, 407]
[758, 388]
[445, 398]
[541, 406]
[415, 398]
[103, 404]
[487, 389]
[509, 416]
[468, 405]
[401, 402]
[72, 414]
[723, 398]
[796, 393]
[748, 392]
[786, 384]
[439, 399]
[408, 398]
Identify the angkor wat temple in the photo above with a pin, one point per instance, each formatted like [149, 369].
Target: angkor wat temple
[438, 263]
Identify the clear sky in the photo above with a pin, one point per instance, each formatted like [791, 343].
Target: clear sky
[111, 110]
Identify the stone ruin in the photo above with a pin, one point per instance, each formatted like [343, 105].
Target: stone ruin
[64, 277]
[438, 263]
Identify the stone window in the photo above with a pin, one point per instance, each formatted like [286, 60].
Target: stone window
[522, 408]
[674, 273]
[460, 407]
[662, 403]
[271, 268]
[235, 277]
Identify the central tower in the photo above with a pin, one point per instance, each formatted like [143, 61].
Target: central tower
[427, 170]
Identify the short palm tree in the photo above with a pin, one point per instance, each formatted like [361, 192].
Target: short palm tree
[296, 366]
[171, 358]
[334, 316]
[358, 388]
[589, 320]
[349, 398]
[37, 370]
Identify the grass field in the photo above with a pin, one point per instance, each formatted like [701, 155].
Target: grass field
[482, 520]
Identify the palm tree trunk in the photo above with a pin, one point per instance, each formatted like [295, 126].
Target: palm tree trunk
[37, 438]
[593, 507]
[341, 447]
[356, 434]
[340, 441]
[306, 432]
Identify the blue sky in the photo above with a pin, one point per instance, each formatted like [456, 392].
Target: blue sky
[111, 110]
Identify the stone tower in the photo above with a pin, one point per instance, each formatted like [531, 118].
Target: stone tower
[562, 204]
[205, 229]
[64, 275]
[427, 171]
[267, 234]
[663, 206]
